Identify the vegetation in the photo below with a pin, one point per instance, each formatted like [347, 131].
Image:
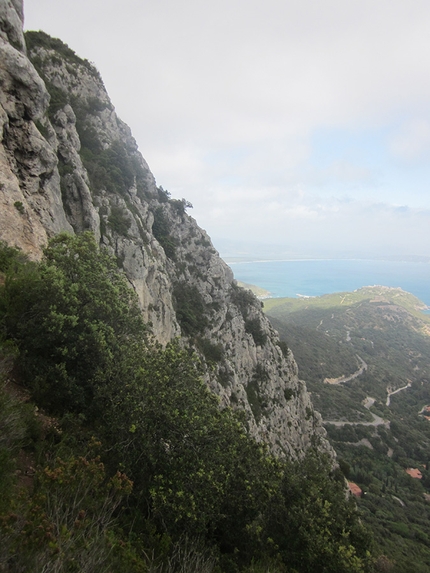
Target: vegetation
[253, 327]
[42, 40]
[118, 221]
[244, 299]
[161, 229]
[129, 464]
[190, 309]
[385, 328]
[112, 168]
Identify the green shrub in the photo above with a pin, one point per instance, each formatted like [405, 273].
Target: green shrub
[243, 299]
[190, 309]
[118, 221]
[213, 353]
[42, 40]
[197, 475]
[9, 257]
[161, 229]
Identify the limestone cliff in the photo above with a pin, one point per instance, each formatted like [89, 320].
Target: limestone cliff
[68, 163]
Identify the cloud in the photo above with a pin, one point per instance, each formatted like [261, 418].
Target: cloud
[313, 225]
[283, 121]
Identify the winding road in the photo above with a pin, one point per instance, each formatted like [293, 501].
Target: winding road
[343, 379]
[408, 385]
[377, 420]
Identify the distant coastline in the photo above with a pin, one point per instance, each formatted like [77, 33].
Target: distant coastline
[245, 261]
[296, 278]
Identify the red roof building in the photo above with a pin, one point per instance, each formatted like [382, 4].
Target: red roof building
[415, 473]
[355, 489]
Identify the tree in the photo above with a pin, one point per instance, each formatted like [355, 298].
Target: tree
[71, 317]
[192, 460]
[313, 524]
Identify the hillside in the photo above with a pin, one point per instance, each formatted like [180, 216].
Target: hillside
[366, 358]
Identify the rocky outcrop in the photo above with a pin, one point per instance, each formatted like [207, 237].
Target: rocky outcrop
[31, 205]
[67, 162]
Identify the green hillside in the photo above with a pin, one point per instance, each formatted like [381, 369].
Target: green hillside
[365, 357]
[116, 457]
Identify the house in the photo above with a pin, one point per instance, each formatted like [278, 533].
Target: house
[415, 473]
[355, 489]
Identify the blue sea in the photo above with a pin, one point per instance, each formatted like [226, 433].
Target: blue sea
[317, 277]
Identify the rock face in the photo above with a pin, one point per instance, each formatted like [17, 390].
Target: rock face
[67, 163]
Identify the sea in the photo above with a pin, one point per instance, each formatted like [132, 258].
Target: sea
[295, 278]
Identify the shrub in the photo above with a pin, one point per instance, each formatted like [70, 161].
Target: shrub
[42, 40]
[212, 352]
[161, 229]
[190, 309]
[243, 299]
[118, 221]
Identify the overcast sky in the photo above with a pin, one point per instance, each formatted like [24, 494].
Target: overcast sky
[301, 126]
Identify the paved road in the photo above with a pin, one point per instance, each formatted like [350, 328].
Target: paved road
[377, 420]
[408, 385]
[344, 379]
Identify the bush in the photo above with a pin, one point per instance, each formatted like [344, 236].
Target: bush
[118, 221]
[243, 299]
[161, 230]
[190, 309]
[42, 40]
[71, 317]
[212, 352]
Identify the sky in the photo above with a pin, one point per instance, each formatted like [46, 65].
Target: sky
[296, 128]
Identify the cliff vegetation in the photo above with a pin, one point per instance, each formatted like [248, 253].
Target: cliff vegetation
[115, 456]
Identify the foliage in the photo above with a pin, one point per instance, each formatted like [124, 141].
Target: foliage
[254, 394]
[253, 327]
[13, 432]
[387, 330]
[180, 206]
[244, 299]
[161, 230]
[118, 221]
[191, 447]
[42, 40]
[112, 169]
[19, 207]
[213, 353]
[190, 309]
[70, 317]
[204, 494]
[314, 527]
[66, 524]
[10, 256]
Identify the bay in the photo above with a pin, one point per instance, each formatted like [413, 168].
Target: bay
[318, 277]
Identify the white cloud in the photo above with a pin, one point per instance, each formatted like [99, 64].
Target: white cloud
[224, 98]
